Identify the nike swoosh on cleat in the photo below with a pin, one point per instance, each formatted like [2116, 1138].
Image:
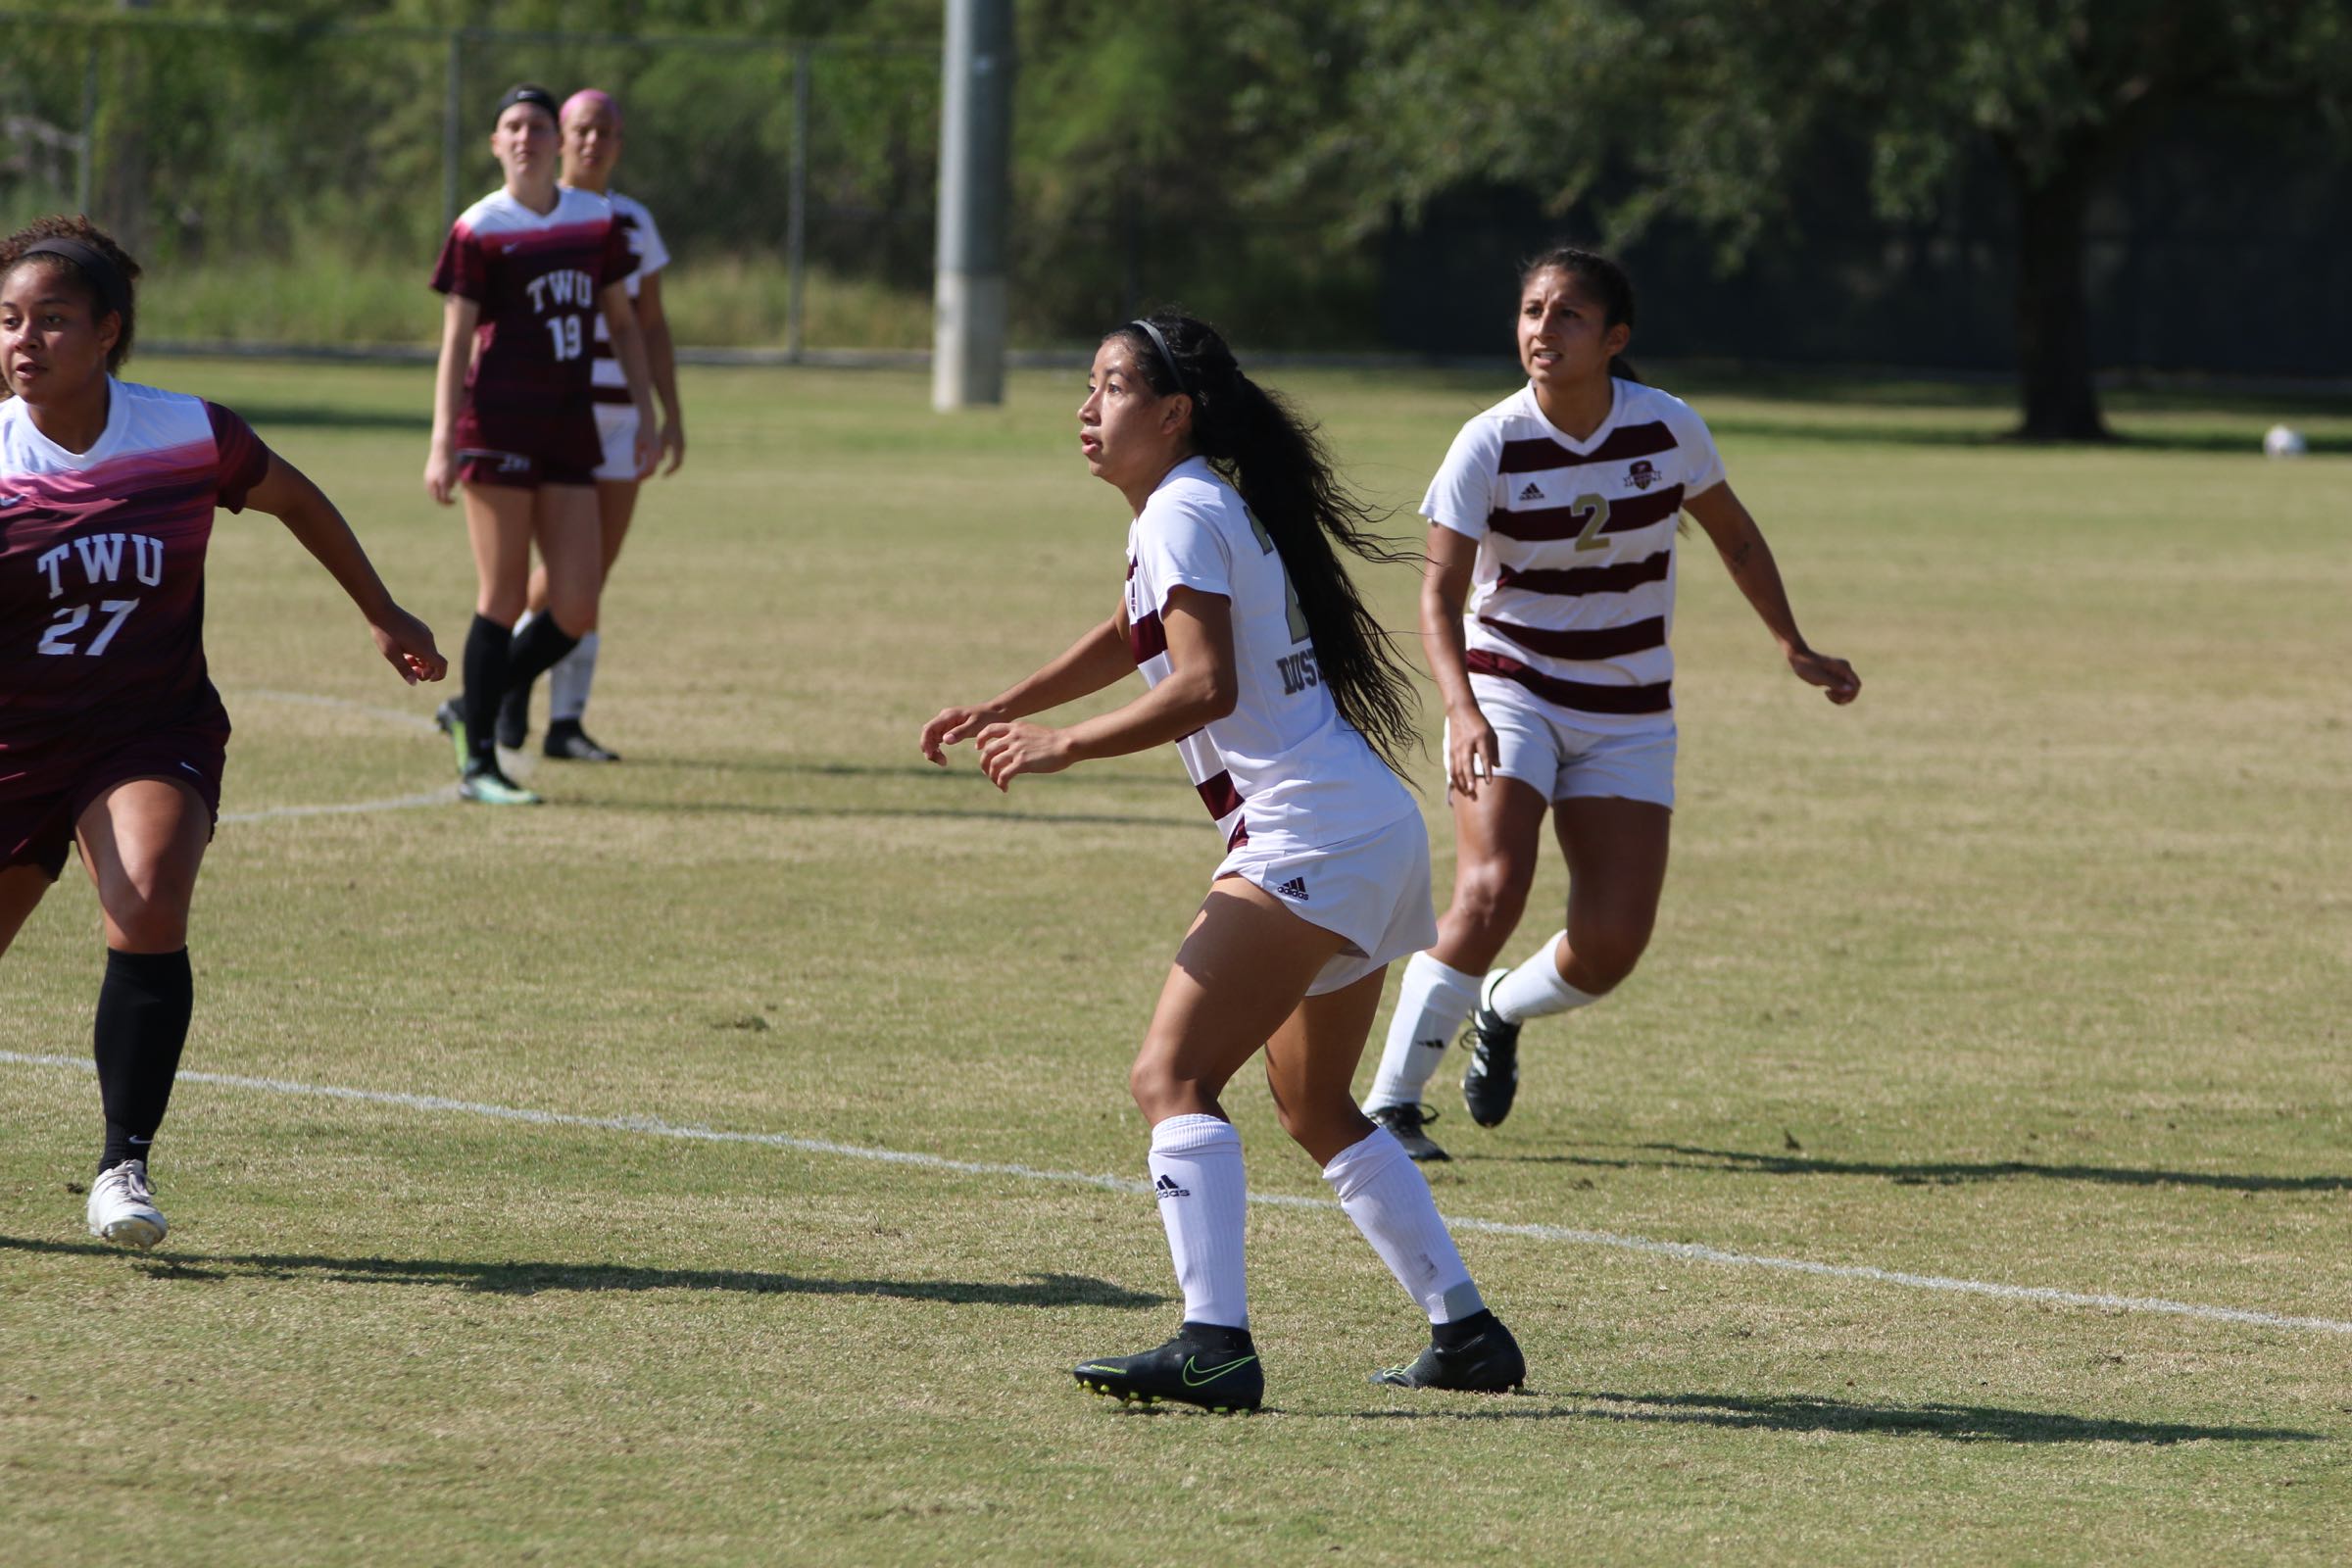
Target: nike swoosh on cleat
[1191, 1364]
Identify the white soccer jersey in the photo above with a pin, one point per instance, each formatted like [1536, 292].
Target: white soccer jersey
[1283, 767]
[645, 243]
[1573, 593]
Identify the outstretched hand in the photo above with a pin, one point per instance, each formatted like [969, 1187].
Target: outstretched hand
[1835, 676]
[952, 725]
[407, 645]
[1009, 749]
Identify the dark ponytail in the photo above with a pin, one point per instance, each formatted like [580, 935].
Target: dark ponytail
[1603, 278]
[1259, 445]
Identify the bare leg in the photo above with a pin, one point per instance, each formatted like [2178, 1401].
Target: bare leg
[20, 887]
[1497, 838]
[143, 842]
[1616, 852]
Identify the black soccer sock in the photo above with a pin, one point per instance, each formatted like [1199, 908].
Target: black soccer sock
[1462, 1330]
[539, 648]
[487, 649]
[143, 1007]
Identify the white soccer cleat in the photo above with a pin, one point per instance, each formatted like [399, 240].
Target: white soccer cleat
[122, 1207]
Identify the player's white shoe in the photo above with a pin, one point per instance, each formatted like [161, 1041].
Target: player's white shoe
[122, 1207]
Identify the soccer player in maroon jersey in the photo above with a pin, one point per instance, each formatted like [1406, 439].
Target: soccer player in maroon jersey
[592, 142]
[111, 733]
[525, 271]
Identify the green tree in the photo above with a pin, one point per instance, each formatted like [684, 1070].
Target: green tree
[1710, 109]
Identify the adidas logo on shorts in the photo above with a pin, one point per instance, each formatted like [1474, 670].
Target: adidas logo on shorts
[1166, 1187]
[1295, 887]
[1533, 492]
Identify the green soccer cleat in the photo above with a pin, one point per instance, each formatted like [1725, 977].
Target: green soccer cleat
[450, 719]
[487, 785]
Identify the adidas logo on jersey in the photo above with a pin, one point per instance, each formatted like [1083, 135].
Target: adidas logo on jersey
[1166, 1187]
[1533, 492]
[1295, 887]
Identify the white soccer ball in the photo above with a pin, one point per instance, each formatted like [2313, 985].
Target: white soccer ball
[2281, 441]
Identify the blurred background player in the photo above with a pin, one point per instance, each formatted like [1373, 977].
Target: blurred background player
[592, 145]
[1267, 673]
[111, 733]
[1553, 520]
[525, 271]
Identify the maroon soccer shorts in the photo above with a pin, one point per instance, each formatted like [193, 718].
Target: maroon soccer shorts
[36, 829]
[517, 470]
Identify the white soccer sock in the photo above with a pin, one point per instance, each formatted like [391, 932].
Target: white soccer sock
[1195, 1165]
[568, 682]
[1381, 1190]
[526, 618]
[1433, 1001]
[1534, 988]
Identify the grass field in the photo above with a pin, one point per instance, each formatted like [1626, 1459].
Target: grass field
[2031, 970]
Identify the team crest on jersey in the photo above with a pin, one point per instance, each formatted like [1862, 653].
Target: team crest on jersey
[1643, 474]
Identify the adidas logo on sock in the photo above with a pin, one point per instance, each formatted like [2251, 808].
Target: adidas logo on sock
[1533, 492]
[1295, 887]
[1166, 1187]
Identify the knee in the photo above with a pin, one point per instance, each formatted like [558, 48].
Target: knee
[1490, 895]
[573, 609]
[1603, 959]
[1160, 1090]
[150, 917]
[500, 602]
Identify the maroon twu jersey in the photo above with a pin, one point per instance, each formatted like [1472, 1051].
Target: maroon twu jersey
[102, 577]
[536, 278]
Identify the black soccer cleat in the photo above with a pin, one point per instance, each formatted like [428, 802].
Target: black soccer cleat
[514, 718]
[567, 742]
[1491, 1080]
[1215, 1368]
[1406, 1123]
[1476, 1355]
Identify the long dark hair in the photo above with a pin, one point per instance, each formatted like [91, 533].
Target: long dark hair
[1259, 444]
[1603, 278]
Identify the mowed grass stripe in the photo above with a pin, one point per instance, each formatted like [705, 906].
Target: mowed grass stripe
[1688, 1251]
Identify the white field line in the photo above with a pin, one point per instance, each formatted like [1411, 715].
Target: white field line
[1684, 1251]
[443, 796]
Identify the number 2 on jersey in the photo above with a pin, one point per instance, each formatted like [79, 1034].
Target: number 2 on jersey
[1290, 590]
[566, 330]
[1597, 506]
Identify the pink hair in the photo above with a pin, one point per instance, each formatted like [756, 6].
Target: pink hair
[592, 98]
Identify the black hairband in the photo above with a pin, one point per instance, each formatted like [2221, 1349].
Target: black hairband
[104, 276]
[1183, 382]
[530, 93]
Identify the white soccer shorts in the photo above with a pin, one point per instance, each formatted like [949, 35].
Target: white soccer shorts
[1541, 747]
[617, 428]
[1372, 890]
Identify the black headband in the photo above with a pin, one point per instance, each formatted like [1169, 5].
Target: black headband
[114, 291]
[1183, 383]
[529, 93]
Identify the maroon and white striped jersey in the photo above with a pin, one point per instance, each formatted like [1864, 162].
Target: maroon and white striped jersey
[649, 256]
[536, 278]
[1573, 593]
[102, 575]
[1282, 768]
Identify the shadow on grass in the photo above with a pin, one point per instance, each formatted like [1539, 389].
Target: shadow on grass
[530, 1279]
[1809, 1413]
[1931, 1173]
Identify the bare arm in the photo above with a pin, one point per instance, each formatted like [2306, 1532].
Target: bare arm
[459, 318]
[1201, 687]
[1748, 558]
[1470, 748]
[1095, 661]
[662, 358]
[287, 494]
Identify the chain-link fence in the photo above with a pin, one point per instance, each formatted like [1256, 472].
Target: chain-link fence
[292, 183]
